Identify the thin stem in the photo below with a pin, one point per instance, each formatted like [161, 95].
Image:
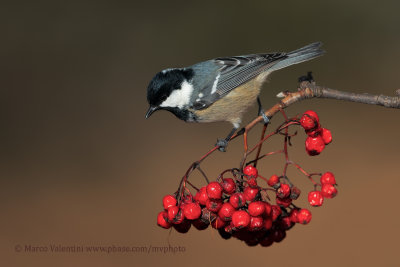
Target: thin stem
[263, 178]
[203, 173]
[259, 148]
[194, 187]
[245, 150]
[303, 171]
[265, 155]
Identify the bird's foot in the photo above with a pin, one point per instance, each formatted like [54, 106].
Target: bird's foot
[265, 117]
[222, 144]
[261, 112]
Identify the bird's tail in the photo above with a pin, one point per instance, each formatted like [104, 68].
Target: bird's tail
[306, 53]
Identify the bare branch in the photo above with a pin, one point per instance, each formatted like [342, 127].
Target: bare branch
[309, 90]
[323, 92]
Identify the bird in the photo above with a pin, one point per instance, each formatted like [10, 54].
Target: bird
[220, 89]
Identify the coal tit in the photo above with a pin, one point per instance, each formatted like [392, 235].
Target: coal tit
[221, 89]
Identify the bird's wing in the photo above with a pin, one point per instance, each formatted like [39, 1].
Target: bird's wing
[233, 72]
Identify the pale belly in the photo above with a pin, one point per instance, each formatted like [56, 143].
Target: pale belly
[231, 107]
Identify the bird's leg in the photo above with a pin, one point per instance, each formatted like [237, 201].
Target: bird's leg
[223, 143]
[261, 112]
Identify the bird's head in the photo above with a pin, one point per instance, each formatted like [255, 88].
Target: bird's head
[170, 90]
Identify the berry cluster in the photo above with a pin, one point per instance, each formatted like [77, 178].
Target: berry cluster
[318, 137]
[240, 207]
[328, 190]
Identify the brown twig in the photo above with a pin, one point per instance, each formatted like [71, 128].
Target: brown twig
[309, 90]
[259, 148]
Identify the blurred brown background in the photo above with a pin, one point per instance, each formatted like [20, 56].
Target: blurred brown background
[81, 166]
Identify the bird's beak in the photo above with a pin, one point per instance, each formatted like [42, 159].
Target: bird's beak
[150, 111]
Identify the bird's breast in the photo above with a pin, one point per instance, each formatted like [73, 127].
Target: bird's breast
[232, 106]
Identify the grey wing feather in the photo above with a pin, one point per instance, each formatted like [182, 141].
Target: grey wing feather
[235, 71]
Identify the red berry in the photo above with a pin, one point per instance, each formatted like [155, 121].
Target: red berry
[251, 241]
[218, 223]
[237, 200]
[312, 114]
[214, 190]
[201, 196]
[252, 182]
[228, 229]
[294, 192]
[226, 211]
[294, 215]
[175, 215]
[328, 191]
[284, 202]
[256, 208]
[309, 120]
[169, 201]
[192, 211]
[314, 145]
[228, 185]
[273, 181]
[328, 178]
[304, 216]
[240, 219]
[242, 234]
[278, 235]
[283, 191]
[256, 223]
[286, 223]
[315, 198]
[267, 241]
[326, 136]
[250, 171]
[276, 212]
[268, 209]
[224, 234]
[172, 212]
[268, 223]
[213, 205]
[250, 193]
[162, 220]
[183, 227]
[200, 225]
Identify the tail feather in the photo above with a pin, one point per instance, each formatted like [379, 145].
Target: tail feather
[300, 55]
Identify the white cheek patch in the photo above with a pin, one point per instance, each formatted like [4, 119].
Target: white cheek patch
[179, 97]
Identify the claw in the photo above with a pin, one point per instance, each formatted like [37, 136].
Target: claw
[222, 144]
[261, 112]
[265, 117]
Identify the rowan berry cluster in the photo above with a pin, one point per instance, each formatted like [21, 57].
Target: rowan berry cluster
[240, 206]
[318, 137]
[328, 190]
